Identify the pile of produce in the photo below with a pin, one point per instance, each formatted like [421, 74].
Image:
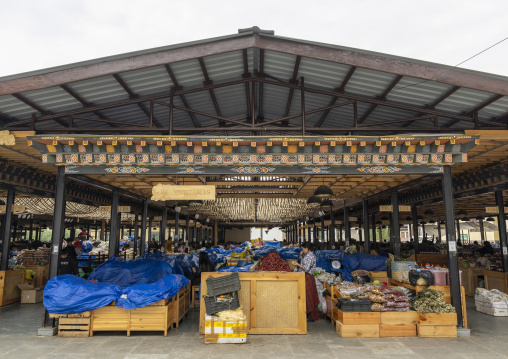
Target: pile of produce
[350, 289]
[385, 299]
[431, 301]
[272, 262]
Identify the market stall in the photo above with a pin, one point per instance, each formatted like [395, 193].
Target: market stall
[273, 302]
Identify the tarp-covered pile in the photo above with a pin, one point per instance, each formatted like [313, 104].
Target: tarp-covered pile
[131, 284]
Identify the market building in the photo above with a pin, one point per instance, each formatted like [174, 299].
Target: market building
[202, 141]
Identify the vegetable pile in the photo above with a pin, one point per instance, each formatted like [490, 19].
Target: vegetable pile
[272, 262]
[431, 301]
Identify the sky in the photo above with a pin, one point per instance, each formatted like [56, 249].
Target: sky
[37, 34]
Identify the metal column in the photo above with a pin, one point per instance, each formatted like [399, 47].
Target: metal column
[30, 235]
[6, 230]
[149, 230]
[177, 228]
[453, 263]
[142, 245]
[396, 223]
[502, 228]
[114, 234]
[439, 230]
[162, 230]
[136, 234]
[482, 232]
[459, 241]
[373, 231]
[58, 218]
[322, 233]
[332, 229]
[414, 215]
[187, 219]
[366, 234]
[347, 227]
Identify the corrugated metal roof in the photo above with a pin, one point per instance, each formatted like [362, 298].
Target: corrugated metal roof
[365, 84]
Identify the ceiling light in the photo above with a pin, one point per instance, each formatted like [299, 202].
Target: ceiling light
[314, 200]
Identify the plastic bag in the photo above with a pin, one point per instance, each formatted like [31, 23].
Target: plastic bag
[377, 307]
[414, 275]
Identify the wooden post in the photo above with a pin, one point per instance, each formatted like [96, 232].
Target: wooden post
[347, 226]
[215, 232]
[58, 222]
[366, 232]
[162, 229]
[502, 228]
[103, 230]
[6, 230]
[395, 223]
[136, 234]
[114, 234]
[142, 245]
[453, 263]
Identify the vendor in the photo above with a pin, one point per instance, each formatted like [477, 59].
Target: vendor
[487, 249]
[308, 266]
[153, 247]
[84, 233]
[181, 246]
[168, 246]
[205, 265]
[68, 264]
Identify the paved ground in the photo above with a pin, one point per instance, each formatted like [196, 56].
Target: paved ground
[19, 323]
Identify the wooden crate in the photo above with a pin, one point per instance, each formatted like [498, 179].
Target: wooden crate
[381, 276]
[433, 259]
[399, 318]
[74, 327]
[182, 304]
[437, 331]
[357, 331]
[397, 330]
[437, 319]
[153, 318]
[41, 275]
[359, 318]
[87, 314]
[470, 279]
[111, 318]
[9, 291]
[496, 280]
[273, 302]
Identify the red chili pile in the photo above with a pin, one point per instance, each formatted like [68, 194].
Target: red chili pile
[272, 262]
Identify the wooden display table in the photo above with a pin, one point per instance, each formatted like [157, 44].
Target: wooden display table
[273, 302]
[9, 291]
[443, 288]
[495, 280]
[470, 279]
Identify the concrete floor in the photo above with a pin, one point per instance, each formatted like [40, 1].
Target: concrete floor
[19, 323]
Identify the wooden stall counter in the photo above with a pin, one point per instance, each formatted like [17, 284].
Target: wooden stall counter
[9, 291]
[273, 302]
[443, 288]
[495, 280]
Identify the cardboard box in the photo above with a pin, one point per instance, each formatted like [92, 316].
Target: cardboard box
[29, 294]
[224, 332]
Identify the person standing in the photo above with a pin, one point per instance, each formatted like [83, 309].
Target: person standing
[308, 266]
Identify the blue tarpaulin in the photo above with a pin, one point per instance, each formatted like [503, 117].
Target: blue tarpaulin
[273, 244]
[349, 262]
[127, 273]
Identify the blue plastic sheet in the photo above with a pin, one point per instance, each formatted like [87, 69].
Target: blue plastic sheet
[127, 273]
[263, 251]
[68, 294]
[86, 248]
[356, 261]
[324, 259]
[237, 268]
[273, 244]
[290, 253]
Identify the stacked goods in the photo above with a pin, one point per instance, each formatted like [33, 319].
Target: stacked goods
[492, 302]
[227, 327]
[34, 257]
[222, 293]
[431, 301]
[273, 262]
[386, 299]
[436, 317]
[347, 289]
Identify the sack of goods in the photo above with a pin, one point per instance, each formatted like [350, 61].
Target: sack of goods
[492, 302]
[228, 327]
[386, 299]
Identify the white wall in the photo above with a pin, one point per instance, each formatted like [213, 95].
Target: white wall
[236, 235]
[274, 234]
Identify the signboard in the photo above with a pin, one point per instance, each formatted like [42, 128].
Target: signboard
[122, 209]
[494, 210]
[105, 209]
[385, 209]
[163, 192]
[404, 208]
[15, 208]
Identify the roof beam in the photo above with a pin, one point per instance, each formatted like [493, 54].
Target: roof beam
[37, 108]
[132, 96]
[86, 104]
[476, 109]
[293, 80]
[182, 97]
[340, 89]
[381, 98]
[209, 82]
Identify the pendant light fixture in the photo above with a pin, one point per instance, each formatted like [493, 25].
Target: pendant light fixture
[326, 205]
[323, 191]
[314, 200]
